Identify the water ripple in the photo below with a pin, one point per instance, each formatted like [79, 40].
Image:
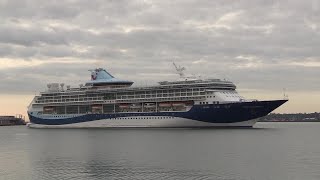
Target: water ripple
[284, 152]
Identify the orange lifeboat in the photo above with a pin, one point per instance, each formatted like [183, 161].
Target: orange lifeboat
[165, 104]
[124, 106]
[96, 107]
[136, 105]
[48, 108]
[178, 104]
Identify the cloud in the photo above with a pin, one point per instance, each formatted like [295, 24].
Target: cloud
[201, 61]
[309, 62]
[260, 44]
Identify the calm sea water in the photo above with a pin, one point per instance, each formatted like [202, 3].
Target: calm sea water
[270, 151]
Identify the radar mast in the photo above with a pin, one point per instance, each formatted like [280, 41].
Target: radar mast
[180, 70]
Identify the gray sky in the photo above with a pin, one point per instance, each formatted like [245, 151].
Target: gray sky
[265, 45]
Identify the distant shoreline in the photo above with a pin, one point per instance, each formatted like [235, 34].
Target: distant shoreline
[12, 120]
[286, 121]
[298, 117]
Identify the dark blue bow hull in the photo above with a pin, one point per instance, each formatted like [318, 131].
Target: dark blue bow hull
[210, 113]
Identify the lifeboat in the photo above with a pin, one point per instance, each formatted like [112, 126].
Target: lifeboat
[124, 106]
[178, 104]
[96, 107]
[138, 105]
[165, 104]
[48, 108]
[149, 105]
[189, 103]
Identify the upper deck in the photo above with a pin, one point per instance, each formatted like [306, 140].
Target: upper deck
[215, 84]
[193, 90]
[104, 88]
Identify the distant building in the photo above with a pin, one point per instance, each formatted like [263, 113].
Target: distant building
[12, 120]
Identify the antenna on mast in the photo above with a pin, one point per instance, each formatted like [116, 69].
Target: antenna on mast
[285, 96]
[180, 70]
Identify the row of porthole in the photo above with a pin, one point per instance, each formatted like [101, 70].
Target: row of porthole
[61, 116]
[211, 96]
[214, 102]
[204, 102]
[228, 92]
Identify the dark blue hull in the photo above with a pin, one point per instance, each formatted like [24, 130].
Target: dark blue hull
[210, 113]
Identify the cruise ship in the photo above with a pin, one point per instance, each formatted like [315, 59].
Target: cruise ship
[109, 102]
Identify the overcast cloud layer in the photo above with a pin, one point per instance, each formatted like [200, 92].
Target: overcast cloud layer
[266, 44]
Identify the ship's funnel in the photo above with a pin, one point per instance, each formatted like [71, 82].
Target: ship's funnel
[100, 77]
[100, 73]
